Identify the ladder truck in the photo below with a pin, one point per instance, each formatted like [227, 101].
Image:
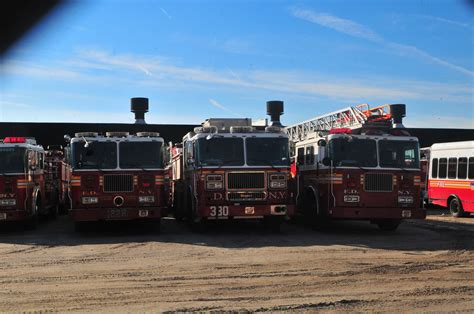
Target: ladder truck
[229, 169]
[357, 163]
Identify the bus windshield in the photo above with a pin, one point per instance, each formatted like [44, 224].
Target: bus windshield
[97, 155]
[399, 154]
[220, 151]
[267, 151]
[353, 152]
[12, 160]
[140, 155]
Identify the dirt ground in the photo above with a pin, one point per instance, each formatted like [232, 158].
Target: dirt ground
[352, 266]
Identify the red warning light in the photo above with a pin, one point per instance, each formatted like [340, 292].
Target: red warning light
[14, 140]
[341, 131]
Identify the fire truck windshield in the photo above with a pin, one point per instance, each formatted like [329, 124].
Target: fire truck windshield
[140, 155]
[399, 154]
[97, 155]
[220, 151]
[353, 152]
[12, 160]
[267, 151]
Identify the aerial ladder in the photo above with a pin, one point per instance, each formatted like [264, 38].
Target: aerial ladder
[350, 118]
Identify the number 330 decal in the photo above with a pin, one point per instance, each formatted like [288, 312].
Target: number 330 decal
[219, 211]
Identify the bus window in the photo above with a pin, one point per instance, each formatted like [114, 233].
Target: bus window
[434, 168]
[452, 167]
[462, 168]
[471, 168]
[300, 156]
[443, 167]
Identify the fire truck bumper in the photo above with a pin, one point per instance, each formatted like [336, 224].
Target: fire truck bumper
[14, 215]
[95, 214]
[377, 213]
[246, 211]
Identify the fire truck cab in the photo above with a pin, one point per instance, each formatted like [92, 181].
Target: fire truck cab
[227, 169]
[114, 177]
[23, 195]
[366, 173]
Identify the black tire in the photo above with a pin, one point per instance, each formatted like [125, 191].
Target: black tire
[455, 207]
[389, 224]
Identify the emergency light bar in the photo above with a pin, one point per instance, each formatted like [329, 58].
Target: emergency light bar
[14, 140]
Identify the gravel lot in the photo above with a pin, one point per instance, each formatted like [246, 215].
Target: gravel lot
[352, 266]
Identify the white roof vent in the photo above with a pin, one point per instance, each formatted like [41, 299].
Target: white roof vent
[242, 129]
[86, 134]
[148, 134]
[117, 134]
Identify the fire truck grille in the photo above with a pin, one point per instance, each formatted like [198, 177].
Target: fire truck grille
[246, 196]
[118, 183]
[242, 180]
[378, 182]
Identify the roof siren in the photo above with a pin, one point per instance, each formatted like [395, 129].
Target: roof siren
[275, 110]
[139, 106]
[398, 112]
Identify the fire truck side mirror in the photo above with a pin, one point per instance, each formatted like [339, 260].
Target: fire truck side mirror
[322, 143]
[67, 138]
[326, 161]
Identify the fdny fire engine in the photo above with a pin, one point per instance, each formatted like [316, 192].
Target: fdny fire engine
[228, 169]
[114, 177]
[26, 191]
[357, 163]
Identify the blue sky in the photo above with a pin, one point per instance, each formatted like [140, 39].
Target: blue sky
[201, 59]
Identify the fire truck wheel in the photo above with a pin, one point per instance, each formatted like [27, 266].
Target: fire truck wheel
[388, 224]
[455, 207]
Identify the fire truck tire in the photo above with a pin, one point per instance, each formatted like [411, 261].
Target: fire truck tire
[388, 224]
[455, 207]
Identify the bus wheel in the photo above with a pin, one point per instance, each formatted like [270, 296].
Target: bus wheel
[389, 224]
[455, 207]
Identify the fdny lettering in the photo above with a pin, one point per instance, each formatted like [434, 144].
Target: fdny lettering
[277, 195]
[7, 195]
[218, 197]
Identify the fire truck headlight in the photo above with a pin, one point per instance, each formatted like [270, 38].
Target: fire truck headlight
[90, 200]
[405, 199]
[351, 198]
[146, 199]
[277, 184]
[214, 185]
[8, 202]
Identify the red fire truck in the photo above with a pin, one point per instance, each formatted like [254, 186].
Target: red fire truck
[227, 169]
[114, 177]
[25, 192]
[451, 177]
[354, 164]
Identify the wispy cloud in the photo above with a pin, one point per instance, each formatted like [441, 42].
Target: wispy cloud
[447, 21]
[165, 13]
[98, 66]
[355, 29]
[218, 105]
